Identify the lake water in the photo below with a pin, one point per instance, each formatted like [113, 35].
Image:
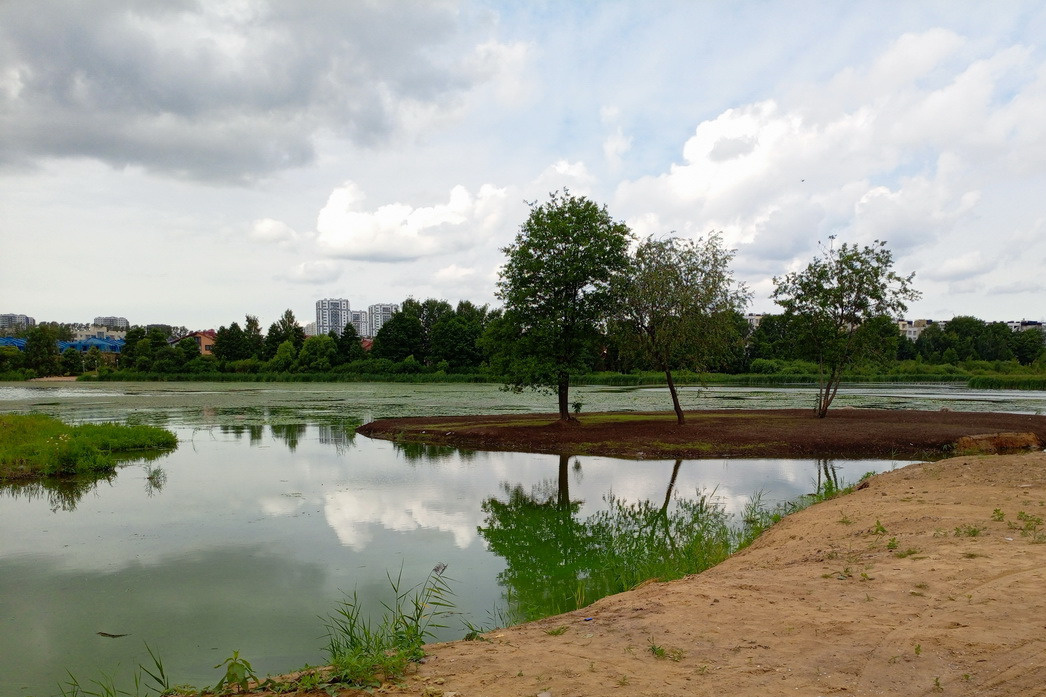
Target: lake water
[271, 510]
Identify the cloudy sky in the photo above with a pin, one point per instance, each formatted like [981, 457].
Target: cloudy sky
[192, 161]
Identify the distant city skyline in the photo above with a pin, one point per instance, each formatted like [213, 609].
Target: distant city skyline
[194, 163]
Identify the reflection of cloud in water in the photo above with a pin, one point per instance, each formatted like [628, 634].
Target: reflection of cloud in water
[350, 513]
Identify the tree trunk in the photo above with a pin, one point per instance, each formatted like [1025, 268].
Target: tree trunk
[563, 492]
[675, 397]
[564, 397]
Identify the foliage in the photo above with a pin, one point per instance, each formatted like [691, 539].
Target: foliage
[557, 288]
[401, 336]
[285, 329]
[35, 445]
[238, 671]
[318, 354]
[364, 654]
[678, 302]
[832, 297]
[41, 351]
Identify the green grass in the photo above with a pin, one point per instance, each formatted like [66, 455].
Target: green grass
[34, 445]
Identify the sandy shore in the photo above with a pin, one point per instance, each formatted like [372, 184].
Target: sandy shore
[929, 581]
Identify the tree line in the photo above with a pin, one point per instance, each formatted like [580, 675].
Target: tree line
[581, 295]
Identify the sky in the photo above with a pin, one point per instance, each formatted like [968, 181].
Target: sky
[189, 162]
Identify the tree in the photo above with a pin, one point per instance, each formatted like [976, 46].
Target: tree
[454, 337]
[41, 351]
[679, 300]
[72, 362]
[836, 293]
[254, 342]
[348, 345]
[428, 313]
[398, 338]
[557, 288]
[317, 354]
[286, 328]
[230, 343]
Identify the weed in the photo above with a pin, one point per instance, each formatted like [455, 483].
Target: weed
[363, 654]
[1030, 525]
[238, 671]
[972, 555]
[906, 553]
[845, 520]
[623, 681]
[998, 516]
[937, 685]
[879, 530]
[918, 649]
[892, 543]
[557, 631]
[968, 530]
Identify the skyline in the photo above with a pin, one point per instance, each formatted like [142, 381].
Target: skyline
[190, 163]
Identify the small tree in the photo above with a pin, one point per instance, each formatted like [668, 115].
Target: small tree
[557, 289]
[678, 301]
[834, 295]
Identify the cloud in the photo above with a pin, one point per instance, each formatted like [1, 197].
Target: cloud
[229, 91]
[269, 230]
[400, 232]
[922, 145]
[314, 272]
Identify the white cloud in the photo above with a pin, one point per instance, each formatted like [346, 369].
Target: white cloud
[314, 272]
[398, 232]
[269, 230]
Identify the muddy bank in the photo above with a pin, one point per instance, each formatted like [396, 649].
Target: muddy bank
[723, 433]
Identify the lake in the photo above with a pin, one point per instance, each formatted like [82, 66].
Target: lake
[271, 510]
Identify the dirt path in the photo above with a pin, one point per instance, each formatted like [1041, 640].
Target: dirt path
[926, 582]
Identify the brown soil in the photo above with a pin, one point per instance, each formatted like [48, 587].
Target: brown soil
[927, 581]
[724, 433]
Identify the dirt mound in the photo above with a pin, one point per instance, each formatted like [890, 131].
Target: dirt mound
[999, 443]
[721, 433]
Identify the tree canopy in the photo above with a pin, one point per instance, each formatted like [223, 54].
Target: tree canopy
[834, 295]
[557, 287]
[679, 301]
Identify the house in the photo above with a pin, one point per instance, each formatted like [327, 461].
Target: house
[204, 340]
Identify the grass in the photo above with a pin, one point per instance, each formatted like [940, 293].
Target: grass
[34, 445]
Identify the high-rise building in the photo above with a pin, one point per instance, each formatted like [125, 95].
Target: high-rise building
[113, 322]
[12, 321]
[332, 314]
[379, 315]
[360, 323]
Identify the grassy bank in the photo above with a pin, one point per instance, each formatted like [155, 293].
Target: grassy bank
[33, 445]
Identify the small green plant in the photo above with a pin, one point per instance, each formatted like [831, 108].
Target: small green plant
[892, 543]
[845, 519]
[879, 530]
[968, 530]
[557, 631]
[937, 685]
[906, 553]
[238, 671]
[918, 649]
[998, 516]
[364, 654]
[577, 406]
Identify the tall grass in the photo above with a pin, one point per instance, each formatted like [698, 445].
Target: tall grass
[38, 445]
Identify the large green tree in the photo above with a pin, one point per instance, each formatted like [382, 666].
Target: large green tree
[835, 294]
[41, 350]
[678, 302]
[286, 328]
[557, 286]
[401, 336]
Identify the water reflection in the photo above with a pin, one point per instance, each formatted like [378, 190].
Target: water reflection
[557, 560]
[61, 493]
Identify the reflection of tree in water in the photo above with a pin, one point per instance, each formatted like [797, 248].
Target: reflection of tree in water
[62, 493]
[542, 541]
[341, 436]
[415, 452]
[827, 476]
[556, 562]
[290, 434]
